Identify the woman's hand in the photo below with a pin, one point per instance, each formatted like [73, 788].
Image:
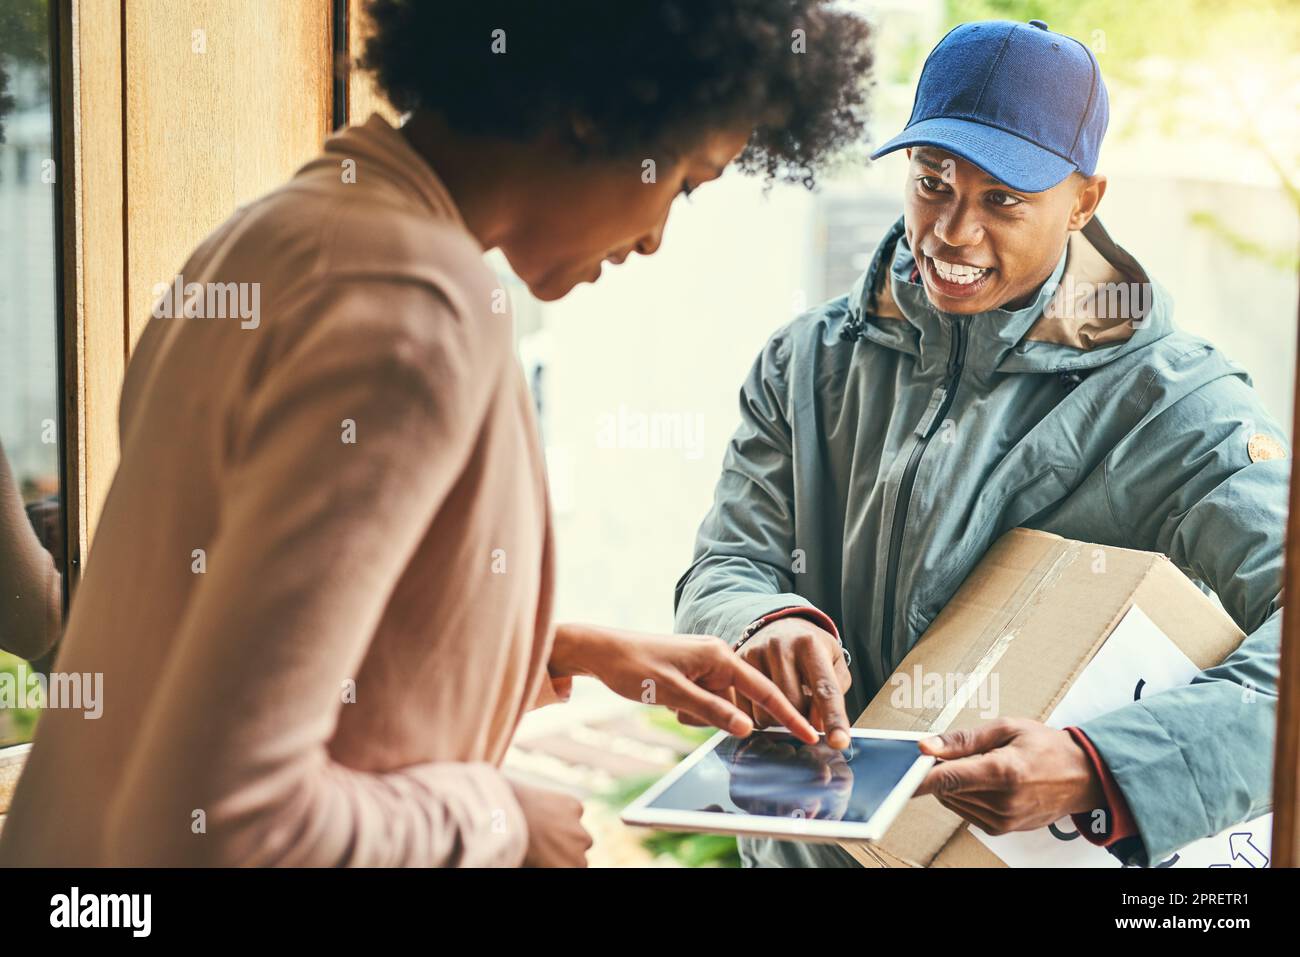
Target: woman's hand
[697, 676]
[556, 837]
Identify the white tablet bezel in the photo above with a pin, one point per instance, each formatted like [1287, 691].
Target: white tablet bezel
[639, 812]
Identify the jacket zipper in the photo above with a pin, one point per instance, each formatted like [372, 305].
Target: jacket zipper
[956, 360]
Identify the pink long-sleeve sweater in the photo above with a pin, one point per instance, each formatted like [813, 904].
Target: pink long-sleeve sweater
[320, 592]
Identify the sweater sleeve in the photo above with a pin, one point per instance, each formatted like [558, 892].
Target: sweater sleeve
[335, 463]
[553, 690]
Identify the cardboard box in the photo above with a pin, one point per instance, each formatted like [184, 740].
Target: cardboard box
[1034, 612]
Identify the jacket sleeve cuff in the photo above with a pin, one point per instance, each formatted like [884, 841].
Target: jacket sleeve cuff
[1119, 819]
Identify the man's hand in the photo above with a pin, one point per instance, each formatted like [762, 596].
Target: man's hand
[1012, 774]
[556, 837]
[697, 676]
[807, 664]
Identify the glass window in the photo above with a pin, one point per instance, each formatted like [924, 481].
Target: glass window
[31, 521]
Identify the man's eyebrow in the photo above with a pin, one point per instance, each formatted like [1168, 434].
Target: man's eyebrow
[924, 159]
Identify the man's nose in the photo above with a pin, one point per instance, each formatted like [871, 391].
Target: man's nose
[957, 226]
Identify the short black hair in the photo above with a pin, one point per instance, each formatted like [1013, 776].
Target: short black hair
[643, 76]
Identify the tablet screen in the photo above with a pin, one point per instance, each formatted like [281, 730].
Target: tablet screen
[773, 773]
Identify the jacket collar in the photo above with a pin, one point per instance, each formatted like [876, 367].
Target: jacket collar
[1098, 304]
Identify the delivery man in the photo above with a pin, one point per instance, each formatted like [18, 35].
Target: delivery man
[1002, 363]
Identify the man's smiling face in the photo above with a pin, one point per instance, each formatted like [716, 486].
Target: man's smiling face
[980, 244]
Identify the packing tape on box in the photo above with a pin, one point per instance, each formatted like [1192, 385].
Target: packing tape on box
[996, 638]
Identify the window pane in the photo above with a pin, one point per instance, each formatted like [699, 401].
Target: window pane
[30, 515]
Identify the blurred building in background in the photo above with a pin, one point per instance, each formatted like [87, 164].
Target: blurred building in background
[28, 374]
[29, 406]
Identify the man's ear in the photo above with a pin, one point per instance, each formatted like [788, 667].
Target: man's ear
[1087, 200]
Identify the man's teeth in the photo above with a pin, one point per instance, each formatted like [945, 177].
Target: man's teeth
[957, 273]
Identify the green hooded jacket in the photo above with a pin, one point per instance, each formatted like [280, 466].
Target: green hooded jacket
[884, 445]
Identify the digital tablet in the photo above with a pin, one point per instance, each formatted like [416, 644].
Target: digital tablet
[774, 785]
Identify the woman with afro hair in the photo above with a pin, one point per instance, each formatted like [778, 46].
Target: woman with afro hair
[320, 593]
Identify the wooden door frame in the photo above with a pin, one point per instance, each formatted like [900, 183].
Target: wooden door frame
[90, 147]
[1286, 753]
[92, 197]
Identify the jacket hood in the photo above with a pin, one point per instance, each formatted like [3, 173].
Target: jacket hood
[1097, 305]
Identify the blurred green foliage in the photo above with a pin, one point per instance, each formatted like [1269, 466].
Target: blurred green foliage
[24, 38]
[16, 724]
[1126, 32]
[1190, 40]
[688, 849]
[24, 30]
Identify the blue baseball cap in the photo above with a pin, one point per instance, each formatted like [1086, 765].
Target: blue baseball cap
[1024, 104]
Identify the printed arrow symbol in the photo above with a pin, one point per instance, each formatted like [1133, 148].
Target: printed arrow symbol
[1242, 845]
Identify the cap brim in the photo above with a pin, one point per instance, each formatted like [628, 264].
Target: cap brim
[1006, 157]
